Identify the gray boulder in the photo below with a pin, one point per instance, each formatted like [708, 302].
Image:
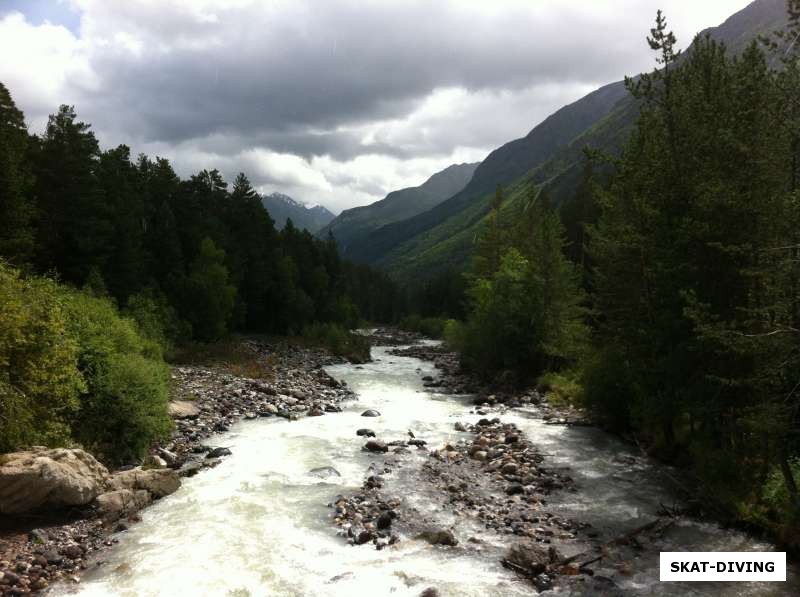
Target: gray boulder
[158, 482]
[115, 504]
[49, 478]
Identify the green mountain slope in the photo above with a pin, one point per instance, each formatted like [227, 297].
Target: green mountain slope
[352, 225]
[503, 165]
[553, 153]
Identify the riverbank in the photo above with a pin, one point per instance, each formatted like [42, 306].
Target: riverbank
[493, 487]
[42, 548]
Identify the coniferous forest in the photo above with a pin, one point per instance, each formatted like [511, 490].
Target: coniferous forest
[667, 300]
[110, 261]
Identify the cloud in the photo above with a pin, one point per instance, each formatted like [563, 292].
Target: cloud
[339, 101]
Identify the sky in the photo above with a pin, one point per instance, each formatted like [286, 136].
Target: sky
[333, 102]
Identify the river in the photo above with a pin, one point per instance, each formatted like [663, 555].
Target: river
[258, 524]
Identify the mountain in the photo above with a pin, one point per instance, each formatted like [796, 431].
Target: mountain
[353, 225]
[550, 155]
[282, 207]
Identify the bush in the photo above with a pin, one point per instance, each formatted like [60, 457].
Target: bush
[39, 380]
[562, 387]
[72, 369]
[158, 321]
[338, 340]
[433, 327]
[125, 407]
[454, 335]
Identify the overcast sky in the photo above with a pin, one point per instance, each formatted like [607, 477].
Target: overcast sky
[331, 102]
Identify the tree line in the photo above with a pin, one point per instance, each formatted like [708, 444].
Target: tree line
[107, 262]
[670, 303]
[206, 253]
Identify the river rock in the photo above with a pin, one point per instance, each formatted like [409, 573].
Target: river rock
[218, 453]
[438, 537]
[183, 409]
[190, 469]
[376, 445]
[430, 592]
[41, 477]
[121, 502]
[158, 482]
[323, 472]
[153, 461]
[385, 519]
[532, 557]
[370, 413]
[365, 433]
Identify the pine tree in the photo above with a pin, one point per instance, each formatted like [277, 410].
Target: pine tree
[16, 198]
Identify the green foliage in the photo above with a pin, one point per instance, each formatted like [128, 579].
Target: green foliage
[16, 205]
[454, 335]
[695, 273]
[561, 387]
[39, 381]
[72, 369]
[157, 320]
[124, 408]
[210, 296]
[119, 227]
[525, 312]
[433, 327]
[338, 340]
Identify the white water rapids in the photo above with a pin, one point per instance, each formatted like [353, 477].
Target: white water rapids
[258, 524]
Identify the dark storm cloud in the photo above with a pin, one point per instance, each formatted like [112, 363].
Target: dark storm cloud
[322, 65]
[328, 100]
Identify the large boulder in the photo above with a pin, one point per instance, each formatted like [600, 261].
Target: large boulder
[158, 482]
[49, 478]
[114, 504]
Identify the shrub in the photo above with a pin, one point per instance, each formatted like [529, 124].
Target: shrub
[338, 340]
[562, 387]
[124, 409]
[39, 381]
[453, 334]
[157, 320]
[432, 327]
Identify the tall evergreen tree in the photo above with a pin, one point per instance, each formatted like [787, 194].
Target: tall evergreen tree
[16, 199]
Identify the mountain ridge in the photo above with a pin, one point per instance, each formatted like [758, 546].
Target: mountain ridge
[282, 207]
[550, 155]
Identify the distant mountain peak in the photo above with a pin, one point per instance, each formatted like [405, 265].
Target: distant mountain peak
[282, 207]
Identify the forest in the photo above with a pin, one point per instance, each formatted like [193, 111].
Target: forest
[663, 296]
[110, 262]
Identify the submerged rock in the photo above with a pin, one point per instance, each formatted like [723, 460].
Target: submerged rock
[438, 537]
[218, 453]
[376, 445]
[370, 413]
[365, 433]
[323, 472]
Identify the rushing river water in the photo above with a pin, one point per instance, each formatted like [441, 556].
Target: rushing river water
[258, 524]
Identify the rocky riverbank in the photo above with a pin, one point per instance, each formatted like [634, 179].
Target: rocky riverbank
[56, 539]
[490, 487]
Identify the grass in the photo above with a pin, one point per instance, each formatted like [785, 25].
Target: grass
[231, 355]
